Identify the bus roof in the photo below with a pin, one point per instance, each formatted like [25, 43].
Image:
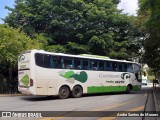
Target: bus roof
[95, 56]
[87, 56]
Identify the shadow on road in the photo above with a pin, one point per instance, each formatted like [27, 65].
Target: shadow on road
[48, 98]
[39, 98]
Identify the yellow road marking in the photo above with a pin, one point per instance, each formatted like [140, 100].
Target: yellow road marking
[106, 118]
[118, 104]
[113, 106]
[51, 118]
[137, 108]
[47, 118]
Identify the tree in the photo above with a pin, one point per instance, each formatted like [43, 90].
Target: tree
[88, 26]
[150, 11]
[12, 43]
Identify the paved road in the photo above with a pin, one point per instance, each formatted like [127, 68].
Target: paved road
[89, 103]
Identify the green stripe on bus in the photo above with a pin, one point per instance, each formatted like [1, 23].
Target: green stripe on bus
[98, 89]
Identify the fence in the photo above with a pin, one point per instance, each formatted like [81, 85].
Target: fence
[8, 87]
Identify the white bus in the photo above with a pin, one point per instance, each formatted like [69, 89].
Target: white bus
[46, 73]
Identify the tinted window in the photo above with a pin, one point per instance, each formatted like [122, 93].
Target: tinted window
[54, 62]
[136, 68]
[47, 61]
[42, 60]
[77, 64]
[101, 65]
[114, 66]
[125, 67]
[137, 71]
[94, 65]
[129, 67]
[66, 63]
[120, 67]
[85, 65]
[108, 66]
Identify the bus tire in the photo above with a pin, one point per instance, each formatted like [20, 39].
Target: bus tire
[128, 90]
[77, 91]
[64, 92]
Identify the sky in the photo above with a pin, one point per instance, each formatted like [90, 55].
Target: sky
[128, 6]
[3, 11]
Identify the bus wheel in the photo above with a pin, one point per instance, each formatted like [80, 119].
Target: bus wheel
[64, 92]
[77, 92]
[128, 90]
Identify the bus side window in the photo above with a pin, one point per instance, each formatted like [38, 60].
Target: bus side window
[46, 61]
[114, 66]
[120, 67]
[67, 63]
[125, 67]
[39, 59]
[85, 65]
[129, 67]
[94, 65]
[101, 66]
[136, 68]
[42, 60]
[77, 64]
[137, 71]
[54, 63]
[61, 62]
[108, 66]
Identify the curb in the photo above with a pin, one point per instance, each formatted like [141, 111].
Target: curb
[10, 95]
[155, 101]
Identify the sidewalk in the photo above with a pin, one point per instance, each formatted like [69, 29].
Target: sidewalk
[156, 98]
[156, 93]
[150, 105]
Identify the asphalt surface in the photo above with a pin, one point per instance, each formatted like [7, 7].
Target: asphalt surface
[89, 107]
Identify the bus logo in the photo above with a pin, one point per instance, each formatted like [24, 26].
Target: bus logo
[125, 76]
[21, 58]
[71, 76]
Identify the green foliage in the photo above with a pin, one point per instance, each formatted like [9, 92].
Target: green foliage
[151, 15]
[77, 26]
[12, 43]
[40, 39]
[56, 48]
[97, 45]
[150, 74]
[75, 48]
